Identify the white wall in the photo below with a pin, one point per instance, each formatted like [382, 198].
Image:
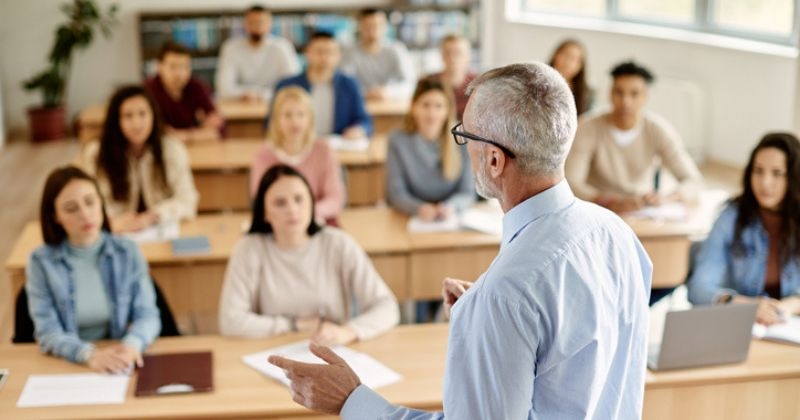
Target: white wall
[747, 93]
[26, 35]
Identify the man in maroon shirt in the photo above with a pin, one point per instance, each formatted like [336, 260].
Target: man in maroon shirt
[184, 101]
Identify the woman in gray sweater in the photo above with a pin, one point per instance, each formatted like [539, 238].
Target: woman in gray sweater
[428, 175]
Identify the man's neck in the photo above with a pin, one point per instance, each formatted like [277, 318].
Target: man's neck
[372, 47]
[623, 122]
[320, 75]
[454, 77]
[523, 188]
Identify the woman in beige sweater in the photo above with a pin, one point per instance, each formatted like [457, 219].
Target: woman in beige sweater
[143, 177]
[290, 274]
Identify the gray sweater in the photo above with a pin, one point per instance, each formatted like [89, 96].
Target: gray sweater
[414, 175]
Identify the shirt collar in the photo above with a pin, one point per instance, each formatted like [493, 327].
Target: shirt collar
[60, 251]
[554, 198]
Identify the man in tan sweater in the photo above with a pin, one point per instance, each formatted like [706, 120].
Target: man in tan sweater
[616, 154]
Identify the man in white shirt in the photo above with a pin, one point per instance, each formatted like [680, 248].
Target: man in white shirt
[382, 67]
[249, 67]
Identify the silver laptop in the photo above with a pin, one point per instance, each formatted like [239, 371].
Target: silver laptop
[707, 335]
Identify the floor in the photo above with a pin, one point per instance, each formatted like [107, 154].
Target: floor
[24, 166]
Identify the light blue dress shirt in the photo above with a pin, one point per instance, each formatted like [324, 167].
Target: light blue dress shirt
[556, 328]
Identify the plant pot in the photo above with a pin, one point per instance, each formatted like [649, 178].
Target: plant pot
[47, 123]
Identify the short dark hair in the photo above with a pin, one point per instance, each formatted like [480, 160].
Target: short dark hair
[316, 35]
[173, 47]
[256, 8]
[630, 68]
[52, 232]
[369, 11]
[259, 223]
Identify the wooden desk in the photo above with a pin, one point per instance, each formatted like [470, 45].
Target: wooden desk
[416, 352]
[766, 386]
[246, 119]
[221, 173]
[412, 264]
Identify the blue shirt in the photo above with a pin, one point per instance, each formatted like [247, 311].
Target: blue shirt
[719, 270]
[556, 328]
[348, 102]
[50, 285]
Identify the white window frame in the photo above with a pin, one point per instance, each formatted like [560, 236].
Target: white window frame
[701, 30]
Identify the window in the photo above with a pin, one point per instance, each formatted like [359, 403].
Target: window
[769, 16]
[762, 20]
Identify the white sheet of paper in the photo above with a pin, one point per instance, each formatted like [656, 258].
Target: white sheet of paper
[415, 224]
[484, 217]
[786, 332]
[156, 233]
[73, 389]
[372, 373]
[669, 211]
[350, 145]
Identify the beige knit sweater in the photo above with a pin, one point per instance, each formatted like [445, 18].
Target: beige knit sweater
[330, 276]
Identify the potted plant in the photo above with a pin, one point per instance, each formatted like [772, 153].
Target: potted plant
[84, 18]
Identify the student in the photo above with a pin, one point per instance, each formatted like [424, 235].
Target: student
[752, 253]
[250, 66]
[616, 154]
[427, 174]
[291, 140]
[569, 59]
[85, 284]
[338, 104]
[382, 67]
[456, 55]
[144, 178]
[290, 274]
[184, 101]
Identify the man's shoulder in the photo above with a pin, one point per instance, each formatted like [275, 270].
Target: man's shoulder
[656, 124]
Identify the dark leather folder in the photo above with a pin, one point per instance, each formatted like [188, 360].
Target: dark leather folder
[175, 373]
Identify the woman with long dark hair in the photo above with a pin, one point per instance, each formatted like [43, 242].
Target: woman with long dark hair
[85, 284]
[291, 274]
[144, 178]
[752, 252]
[569, 59]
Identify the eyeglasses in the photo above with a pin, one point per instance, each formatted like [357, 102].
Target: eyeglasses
[461, 137]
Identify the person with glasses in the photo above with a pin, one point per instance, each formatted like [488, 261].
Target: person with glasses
[562, 306]
[427, 175]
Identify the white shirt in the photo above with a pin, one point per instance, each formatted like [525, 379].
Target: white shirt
[322, 98]
[243, 68]
[391, 68]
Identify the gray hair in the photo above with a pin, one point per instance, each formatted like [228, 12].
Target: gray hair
[528, 108]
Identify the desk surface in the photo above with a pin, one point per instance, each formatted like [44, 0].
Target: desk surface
[239, 110]
[237, 154]
[416, 352]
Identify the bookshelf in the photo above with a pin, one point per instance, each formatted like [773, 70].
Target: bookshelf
[420, 24]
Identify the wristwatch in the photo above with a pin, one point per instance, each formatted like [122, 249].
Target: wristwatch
[725, 299]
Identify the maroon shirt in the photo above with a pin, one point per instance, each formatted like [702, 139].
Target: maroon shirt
[459, 92]
[195, 100]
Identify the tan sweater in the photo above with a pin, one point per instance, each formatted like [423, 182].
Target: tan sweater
[178, 201]
[597, 165]
[330, 276]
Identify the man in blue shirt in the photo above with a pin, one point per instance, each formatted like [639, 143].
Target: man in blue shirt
[556, 327]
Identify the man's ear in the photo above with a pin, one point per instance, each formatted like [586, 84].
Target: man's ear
[497, 162]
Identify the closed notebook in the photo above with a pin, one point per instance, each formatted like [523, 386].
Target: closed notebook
[189, 245]
[175, 373]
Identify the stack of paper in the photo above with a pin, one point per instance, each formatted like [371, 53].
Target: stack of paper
[350, 145]
[74, 389]
[155, 233]
[667, 212]
[372, 373]
[415, 224]
[785, 332]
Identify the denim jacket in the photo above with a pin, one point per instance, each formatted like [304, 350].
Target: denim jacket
[51, 298]
[718, 270]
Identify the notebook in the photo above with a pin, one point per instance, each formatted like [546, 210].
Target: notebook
[785, 332]
[707, 335]
[191, 245]
[175, 373]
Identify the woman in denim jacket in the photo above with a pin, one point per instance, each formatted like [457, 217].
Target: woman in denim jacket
[752, 252]
[85, 284]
